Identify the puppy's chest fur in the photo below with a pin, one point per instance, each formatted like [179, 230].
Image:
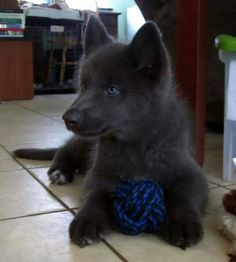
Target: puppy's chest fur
[133, 160]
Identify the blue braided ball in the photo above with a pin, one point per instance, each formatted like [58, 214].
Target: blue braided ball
[138, 206]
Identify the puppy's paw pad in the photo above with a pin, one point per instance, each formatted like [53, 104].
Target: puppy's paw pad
[184, 232]
[83, 242]
[58, 178]
[85, 231]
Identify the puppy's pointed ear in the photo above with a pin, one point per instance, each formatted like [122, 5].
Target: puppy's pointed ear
[95, 35]
[147, 51]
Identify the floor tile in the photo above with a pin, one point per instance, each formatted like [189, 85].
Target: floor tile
[45, 238]
[8, 106]
[68, 193]
[48, 105]
[218, 181]
[57, 118]
[7, 163]
[22, 195]
[27, 163]
[231, 187]
[146, 247]
[23, 126]
[212, 185]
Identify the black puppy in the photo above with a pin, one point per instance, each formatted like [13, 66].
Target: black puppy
[128, 122]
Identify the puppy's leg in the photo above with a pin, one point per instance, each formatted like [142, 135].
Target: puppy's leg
[95, 215]
[186, 196]
[70, 158]
[93, 220]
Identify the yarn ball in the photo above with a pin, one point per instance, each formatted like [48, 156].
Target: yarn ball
[138, 206]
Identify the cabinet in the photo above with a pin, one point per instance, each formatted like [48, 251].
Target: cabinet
[55, 53]
[16, 69]
[110, 21]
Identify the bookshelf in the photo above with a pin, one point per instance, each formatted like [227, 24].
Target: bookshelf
[16, 66]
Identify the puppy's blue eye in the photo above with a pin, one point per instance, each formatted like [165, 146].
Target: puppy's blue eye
[112, 91]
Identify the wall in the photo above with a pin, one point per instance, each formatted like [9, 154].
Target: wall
[117, 5]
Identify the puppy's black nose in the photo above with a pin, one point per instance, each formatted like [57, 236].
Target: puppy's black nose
[72, 118]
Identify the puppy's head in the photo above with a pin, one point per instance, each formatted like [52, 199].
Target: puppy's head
[120, 85]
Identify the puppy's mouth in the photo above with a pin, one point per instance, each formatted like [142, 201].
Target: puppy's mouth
[88, 133]
[94, 133]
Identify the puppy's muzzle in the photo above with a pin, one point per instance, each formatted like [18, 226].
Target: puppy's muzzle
[72, 118]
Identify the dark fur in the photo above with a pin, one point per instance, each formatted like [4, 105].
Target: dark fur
[229, 202]
[140, 132]
[35, 153]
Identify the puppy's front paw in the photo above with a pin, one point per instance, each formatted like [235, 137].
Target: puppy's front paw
[58, 178]
[86, 230]
[183, 230]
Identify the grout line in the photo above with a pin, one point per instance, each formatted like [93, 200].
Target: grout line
[33, 215]
[73, 212]
[48, 190]
[67, 208]
[10, 170]
[226, 187]
[29, 143]
[36, 167]
[109, 246]
[42, 184]
[41, 114]
[232, 185]
[214, 183]
[229, 185]
[214, 187]
[220, 185]
[113, 250]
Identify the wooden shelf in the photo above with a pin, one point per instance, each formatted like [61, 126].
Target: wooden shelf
[16, 70]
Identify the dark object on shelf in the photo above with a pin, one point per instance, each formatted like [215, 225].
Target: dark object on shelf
[9, 4]
[66, 88]
[105, 9]
[56, 51]
[110, 21]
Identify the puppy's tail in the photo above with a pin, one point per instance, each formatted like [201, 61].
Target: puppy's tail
[35, 153]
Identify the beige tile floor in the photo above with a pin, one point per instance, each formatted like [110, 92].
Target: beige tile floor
[34, 215]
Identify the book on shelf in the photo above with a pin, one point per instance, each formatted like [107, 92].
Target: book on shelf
[12, 24]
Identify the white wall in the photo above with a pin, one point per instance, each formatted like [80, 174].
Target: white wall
[135, 20]
[86, 4]
[117, 5]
